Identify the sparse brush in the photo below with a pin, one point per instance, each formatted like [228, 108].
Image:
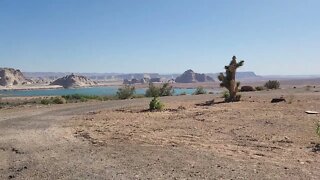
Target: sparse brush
[52, 100]
[200, 90]
[126, 92]
[272, 84]
[260, 88]
[45, 101]
[58, 100]
[164, 90]
[152, 91]
[74, 98]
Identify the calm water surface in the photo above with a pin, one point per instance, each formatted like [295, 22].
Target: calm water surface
[86, 91]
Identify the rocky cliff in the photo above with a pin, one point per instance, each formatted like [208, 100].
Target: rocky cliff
[72, 80]
[191, 77]
[10, 76]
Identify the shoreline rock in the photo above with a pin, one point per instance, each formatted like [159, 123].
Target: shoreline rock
[71, 81]
[12, 77]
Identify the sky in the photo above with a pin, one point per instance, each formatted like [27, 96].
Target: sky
[279, 37]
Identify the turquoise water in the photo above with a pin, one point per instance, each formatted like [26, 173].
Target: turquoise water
[86, 91]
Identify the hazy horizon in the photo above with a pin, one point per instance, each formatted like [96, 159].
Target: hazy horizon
[318, 75]
[169, 36]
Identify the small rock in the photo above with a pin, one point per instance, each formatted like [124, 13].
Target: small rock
[277, 100]
[312, 112]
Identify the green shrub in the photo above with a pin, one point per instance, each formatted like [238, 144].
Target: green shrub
[152, 91]
[126, 92]
[260, 88]
[200, 90]
[74, 98]
[52, 100]
[84, 98]
[156, 104]
[272, 84]
[164, 90]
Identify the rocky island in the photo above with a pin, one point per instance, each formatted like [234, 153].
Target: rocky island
[72, 81]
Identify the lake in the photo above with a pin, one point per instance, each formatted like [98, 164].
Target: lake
[100, 91]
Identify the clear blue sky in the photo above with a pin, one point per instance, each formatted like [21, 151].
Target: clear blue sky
[165, 36]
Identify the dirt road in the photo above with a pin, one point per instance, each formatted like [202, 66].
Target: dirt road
[97, 141]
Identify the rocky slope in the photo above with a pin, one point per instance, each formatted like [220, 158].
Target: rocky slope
[191, 77]
[10, 76]
[72, 80]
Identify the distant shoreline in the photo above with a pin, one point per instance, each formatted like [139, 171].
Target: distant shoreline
[47, 87]
[207, 85]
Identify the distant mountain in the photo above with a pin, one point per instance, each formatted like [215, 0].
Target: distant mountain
[50, 76]
[190, 77]
[239, 75]
[244, 75]
[93, 76]
[72, 80]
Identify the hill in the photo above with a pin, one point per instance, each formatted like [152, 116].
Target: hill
[191, 77]
[72, 80]
[10, 76]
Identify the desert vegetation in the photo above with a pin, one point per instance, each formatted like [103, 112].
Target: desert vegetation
[156, 104]
[247, 89]
[260, 88]
[228, 80]
[154, 91]
[126, 92]
[272, 84]
[200, 90]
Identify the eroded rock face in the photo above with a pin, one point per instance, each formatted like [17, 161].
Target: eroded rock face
[191, 77]
[72, 80]
[10, 76]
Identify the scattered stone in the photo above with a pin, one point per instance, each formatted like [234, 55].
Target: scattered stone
[312, 112]
[16, 151]
[93, 112]
[316, 148]
[277, 100]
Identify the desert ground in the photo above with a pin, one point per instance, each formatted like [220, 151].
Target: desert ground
[250, 139]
